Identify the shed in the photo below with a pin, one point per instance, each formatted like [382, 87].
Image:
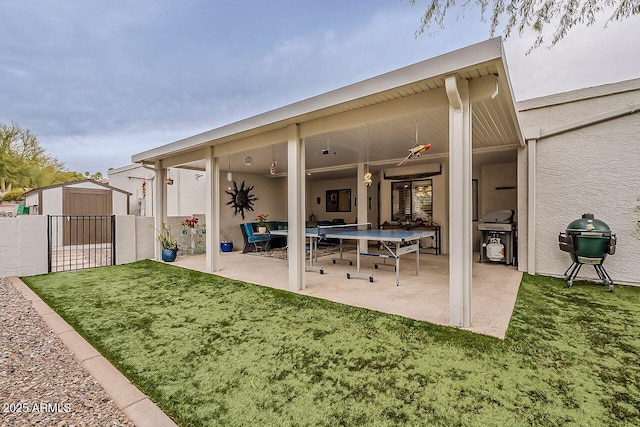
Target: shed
[86, 197]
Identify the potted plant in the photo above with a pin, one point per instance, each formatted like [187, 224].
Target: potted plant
[168, 243]
[262, 226]
[190, 223]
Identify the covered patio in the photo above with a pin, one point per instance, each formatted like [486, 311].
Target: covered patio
[424, 297]
[460, 103]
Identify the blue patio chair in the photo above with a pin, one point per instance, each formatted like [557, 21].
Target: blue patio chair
[260, 241]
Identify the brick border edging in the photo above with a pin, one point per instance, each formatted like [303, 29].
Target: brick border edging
[135, 404]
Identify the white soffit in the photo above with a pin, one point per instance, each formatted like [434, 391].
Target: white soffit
[494, 119]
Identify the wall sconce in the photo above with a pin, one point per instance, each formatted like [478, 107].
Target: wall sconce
[169, 181]
[318, 200]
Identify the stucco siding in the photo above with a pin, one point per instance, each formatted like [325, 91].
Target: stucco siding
[499, 187]
[145, 238]
[23, 246]
[272, 200]
[185, 196]
[119, 203]
[130, 179]
[523, 210]
[591, 170]
[125, 239]
[10, 259]
[564, 109]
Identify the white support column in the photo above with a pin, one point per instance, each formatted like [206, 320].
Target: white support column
[460, 202]
[361, 210]
[212, 211]
[159, 200]
[531, 213]
[296, 208]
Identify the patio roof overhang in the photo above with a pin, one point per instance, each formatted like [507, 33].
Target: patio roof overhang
[391, 106]
[462, 101]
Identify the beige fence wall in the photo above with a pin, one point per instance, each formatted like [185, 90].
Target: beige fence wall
[24, 247]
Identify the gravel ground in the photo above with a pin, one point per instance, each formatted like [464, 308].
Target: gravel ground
[41, 384]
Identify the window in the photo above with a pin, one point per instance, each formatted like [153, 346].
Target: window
[339, 200]
[412, 200]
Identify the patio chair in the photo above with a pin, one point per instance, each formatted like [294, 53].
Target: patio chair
[260, 242]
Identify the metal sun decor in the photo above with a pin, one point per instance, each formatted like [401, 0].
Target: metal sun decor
[241, 199]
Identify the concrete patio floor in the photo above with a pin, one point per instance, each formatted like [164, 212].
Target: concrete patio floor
[424, 297]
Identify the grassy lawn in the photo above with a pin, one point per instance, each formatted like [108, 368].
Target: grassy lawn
[214, 351]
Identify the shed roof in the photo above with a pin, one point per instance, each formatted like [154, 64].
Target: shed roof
[68, 184]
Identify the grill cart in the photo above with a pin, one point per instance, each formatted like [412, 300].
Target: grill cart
[588, 241]
[498, 242]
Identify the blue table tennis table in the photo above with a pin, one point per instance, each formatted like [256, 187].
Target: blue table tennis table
[394, 243]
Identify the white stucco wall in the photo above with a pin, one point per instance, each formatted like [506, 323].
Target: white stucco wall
[523, 212]
[591, 170]
[125, 239]
[494, 180]
[119, 203]
[145, 238]
[272, 200]
[185, 196]
[130, 178]
[23, 246]
[10, 259]
[319, 189]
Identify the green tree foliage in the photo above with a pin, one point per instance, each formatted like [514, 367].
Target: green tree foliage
[519, 15]
[25, 164]
[14, 195]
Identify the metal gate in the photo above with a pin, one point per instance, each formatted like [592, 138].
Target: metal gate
[77, 242]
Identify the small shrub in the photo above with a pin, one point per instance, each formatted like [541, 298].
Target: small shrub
[14, 195]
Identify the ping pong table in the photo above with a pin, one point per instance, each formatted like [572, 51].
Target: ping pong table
[394, 242]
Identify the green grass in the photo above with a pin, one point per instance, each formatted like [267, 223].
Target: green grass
[214, 351]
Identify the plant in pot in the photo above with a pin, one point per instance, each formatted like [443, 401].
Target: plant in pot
[168, 243]
[262, 225]
[190, 223]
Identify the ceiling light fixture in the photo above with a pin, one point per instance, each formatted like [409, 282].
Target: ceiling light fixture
[367, 176]
[274, 162]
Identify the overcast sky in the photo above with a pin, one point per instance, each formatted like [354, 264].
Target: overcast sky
[98, 81]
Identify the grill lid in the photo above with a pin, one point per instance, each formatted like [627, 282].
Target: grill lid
[502, 216]
[588, 224]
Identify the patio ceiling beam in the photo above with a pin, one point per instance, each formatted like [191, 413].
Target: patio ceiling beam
[174, 160]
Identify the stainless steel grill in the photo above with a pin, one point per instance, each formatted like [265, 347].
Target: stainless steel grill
[498, 242]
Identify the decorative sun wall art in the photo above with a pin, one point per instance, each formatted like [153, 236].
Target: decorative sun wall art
[241, 199]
